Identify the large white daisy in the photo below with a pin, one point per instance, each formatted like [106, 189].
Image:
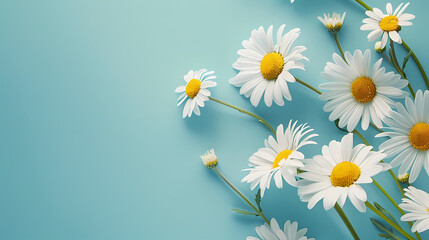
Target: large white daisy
[264, 66]
[356, 91]
[408, 130]
[274, 232]
[417, 204]
[279, 158]
[195, 91]
[388, 24]
[338, 173]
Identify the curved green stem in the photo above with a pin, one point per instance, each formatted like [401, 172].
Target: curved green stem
[390, 222]
[346, 221]
[361, 137]
[245, 112]
[308, 85]
[394, 203]
[376, 128]
[395, 63]
[339, 45]
[364, 5]
[419, 65]
[241, 195]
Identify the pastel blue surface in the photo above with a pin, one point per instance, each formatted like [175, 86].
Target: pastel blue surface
[92, 145]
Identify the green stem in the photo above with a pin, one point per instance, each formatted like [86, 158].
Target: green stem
[419, 65]
[339, 45]
[308, 85]
[245, 112]
[241, 195]
[394, 204]
[395, 63]
[346, 221]
[390, 222]
[400, 72]
[376, 128]
[388, 196]
[398, 184]
[364, 5]
[361, 137]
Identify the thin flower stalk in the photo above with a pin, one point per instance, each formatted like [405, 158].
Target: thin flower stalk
[346, 221]
[241, 195]
[389, 221]
[245, 112]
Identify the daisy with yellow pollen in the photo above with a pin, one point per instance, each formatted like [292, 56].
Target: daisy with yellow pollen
[334, 23]
[408, 130]
[338, 173]
[274, 232]
[358, 91]
[195, 91]
[279, 158]
[386, 25]
[265, 67]
[417, 204]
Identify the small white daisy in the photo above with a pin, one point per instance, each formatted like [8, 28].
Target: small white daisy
[334, 23]
[279, 158]
[338, 173]
[417, 204]
[209, 159]
[388, 24]
[274, 232]
[356, 91]
[195, 91]
[408, 130]
[264, 66]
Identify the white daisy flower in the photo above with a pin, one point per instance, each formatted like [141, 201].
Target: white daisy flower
[408, 130]
[195, 91]
[388, 24]
[279, 158]
[417, 204]
[274, 232]
[334, 23]
[264, 66]
[356, 91]
[338, 174]
[209, 159]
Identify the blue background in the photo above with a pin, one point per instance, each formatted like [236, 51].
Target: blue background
[92, 145]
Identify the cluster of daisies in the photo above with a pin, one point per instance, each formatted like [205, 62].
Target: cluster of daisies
[357, 92]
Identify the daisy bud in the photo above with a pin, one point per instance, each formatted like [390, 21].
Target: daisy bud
[403, 178]
[334, 23]
[378, 47]
[209, 159]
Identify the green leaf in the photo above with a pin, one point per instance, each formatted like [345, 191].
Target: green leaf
[387, 233]
[385, 212]
[258, 200]
[244, 212]
[406, 60]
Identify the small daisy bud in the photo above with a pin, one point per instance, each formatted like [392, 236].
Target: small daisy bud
[209, 159]
[378, 47]
[403, 178]
[334, 23]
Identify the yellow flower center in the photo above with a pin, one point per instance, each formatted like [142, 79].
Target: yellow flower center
[419, 136]
[389, 23]
[272, 65]
[282, 155]
[345, 174]
[193, 87]
[363, 89]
